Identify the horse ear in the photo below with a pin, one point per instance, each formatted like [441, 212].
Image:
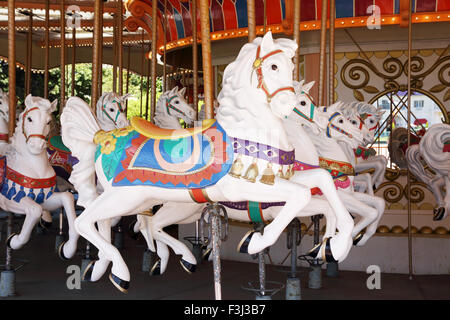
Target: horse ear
[28, 101]
[308, 86]
[126, 96]
[53, 106]
[267, 42]
[182, 92]
[173, 91]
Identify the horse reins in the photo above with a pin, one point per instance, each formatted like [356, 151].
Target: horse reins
[169, 106]
[336, 127]
[117, 114]
[23, 127]
[311, 110]
[257, 66]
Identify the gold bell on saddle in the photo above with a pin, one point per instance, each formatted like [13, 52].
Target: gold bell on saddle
[252, 172]
[237, 167]
[268, 177]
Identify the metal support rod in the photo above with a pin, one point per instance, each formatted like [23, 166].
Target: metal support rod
[100, 55]
[206, 55]
[62, 87]
[409, 140]
[293, 250]
[114, 47]
[96, 67]
[165, 44]
[296, 35]
[194, 58]
[74, 51]
[216, 255]
[323, 41]
[61, 221]
[154, 58]
[29, 53]
[142, 73]
[9, 227]
[265, 17]
[128, 78]
[47, 48]
[147, 97]
[262, 273]
[251, 20]
[120, 49]
[331, 53]
[12, 65]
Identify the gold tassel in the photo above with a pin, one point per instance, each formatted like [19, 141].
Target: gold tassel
[280, 173]
[252, 172]
[237, 167]
[289, 172]
[268, 177]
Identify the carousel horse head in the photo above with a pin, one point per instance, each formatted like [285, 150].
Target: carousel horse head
[369, 115]
[111, 111]
[263, 71]
[172, 104]
[339, 127]
[305, 107]
[4, 106]
[354, 117]
[33, 125]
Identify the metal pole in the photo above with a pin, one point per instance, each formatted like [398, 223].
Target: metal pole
[194, 58]
[114, 47]
[165, 45]
[128, 78]
[323, 41]
[142, 71]
[96, 52]
[120, 39]
[29, 52]
[251, 20]
[265, 17]
[206, 55]
[409, 140]
[63, 56]
[154, 59]
[74, 37]
[149, 66]
[216, 255]
[47, 49]
[12, 65]
[100, 55]
[297, 39]
[331, 53]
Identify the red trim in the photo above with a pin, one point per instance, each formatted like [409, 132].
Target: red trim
[198, 196]
[28, 182]
[4, 137]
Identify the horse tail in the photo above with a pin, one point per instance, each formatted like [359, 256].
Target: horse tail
[415, 165]
[78, 127]
[432, 148]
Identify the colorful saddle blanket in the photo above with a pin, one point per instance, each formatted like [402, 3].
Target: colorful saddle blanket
[195, 160]
[60, 157]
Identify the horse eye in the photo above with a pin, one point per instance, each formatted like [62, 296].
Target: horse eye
[29, 119]
[353, 122]
[341, 121]
[274, 67]
[177, 102]
[371, 121]
[303, 103]
[111, 109]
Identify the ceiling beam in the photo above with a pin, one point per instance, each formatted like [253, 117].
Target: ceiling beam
[54, 23]
[87, 6]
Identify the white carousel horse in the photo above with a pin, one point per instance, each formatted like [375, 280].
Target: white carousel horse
[434, 149]
[30, 181]
[4, 120]
[257, 94]
[248, 211]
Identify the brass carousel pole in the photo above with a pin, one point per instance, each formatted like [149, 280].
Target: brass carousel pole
[323, 42]
[47, 49]
[409, 140]
[251, 20]
[29, 52]
[147, 96]
[331, 53]
[128, 77]
[142, 72]
[120, 39]
[96, 67]
[62, 87]
[154, 58]
[194, 57]
[165, 47]
[7, 277]
[100, 54]
[114, 47]
[297, 39]
[74, 45]
[265, 16]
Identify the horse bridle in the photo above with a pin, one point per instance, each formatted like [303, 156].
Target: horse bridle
[332, 126]
[23, 127]
[311, 110]
[117, 114]
[364, 117]
[169, 106]
[257, 66]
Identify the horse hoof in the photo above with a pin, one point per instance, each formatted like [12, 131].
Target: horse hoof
[357, 238]
[156, 269]
[120, 284]
[189, 267]
[87, 274]
[133, 235]
[314, 252]
[8, 240]
[61, 251]
[438, 213]
[243, 245]
[206, 254]
[327, 255]
[44, 224]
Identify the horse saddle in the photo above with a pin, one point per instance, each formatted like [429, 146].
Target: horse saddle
[152, 131]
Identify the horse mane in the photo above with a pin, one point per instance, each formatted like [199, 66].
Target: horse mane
[363, 107]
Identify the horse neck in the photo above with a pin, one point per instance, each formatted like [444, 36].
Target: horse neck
[3, 126]
[349, 151]
[328, 147]
[301, 141]
[258, 125]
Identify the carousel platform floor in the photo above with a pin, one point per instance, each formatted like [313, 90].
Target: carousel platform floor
[44, 277]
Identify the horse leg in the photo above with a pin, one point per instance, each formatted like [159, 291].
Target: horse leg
[375, 202]
[380, 165]
[65, 199]
[365, 183]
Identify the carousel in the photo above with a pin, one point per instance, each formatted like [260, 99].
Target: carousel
[225, 149]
